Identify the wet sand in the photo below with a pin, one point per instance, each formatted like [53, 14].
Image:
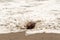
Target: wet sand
[21, 36]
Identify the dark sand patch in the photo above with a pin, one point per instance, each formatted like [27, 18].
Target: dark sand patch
[21, 36]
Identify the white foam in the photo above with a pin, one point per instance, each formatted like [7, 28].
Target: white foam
[16, 13]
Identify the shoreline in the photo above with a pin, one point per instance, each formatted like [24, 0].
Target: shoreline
[21, 36]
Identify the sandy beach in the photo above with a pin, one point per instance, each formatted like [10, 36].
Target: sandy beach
[21, 36]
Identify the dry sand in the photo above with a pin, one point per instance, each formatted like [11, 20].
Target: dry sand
[21, 36]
